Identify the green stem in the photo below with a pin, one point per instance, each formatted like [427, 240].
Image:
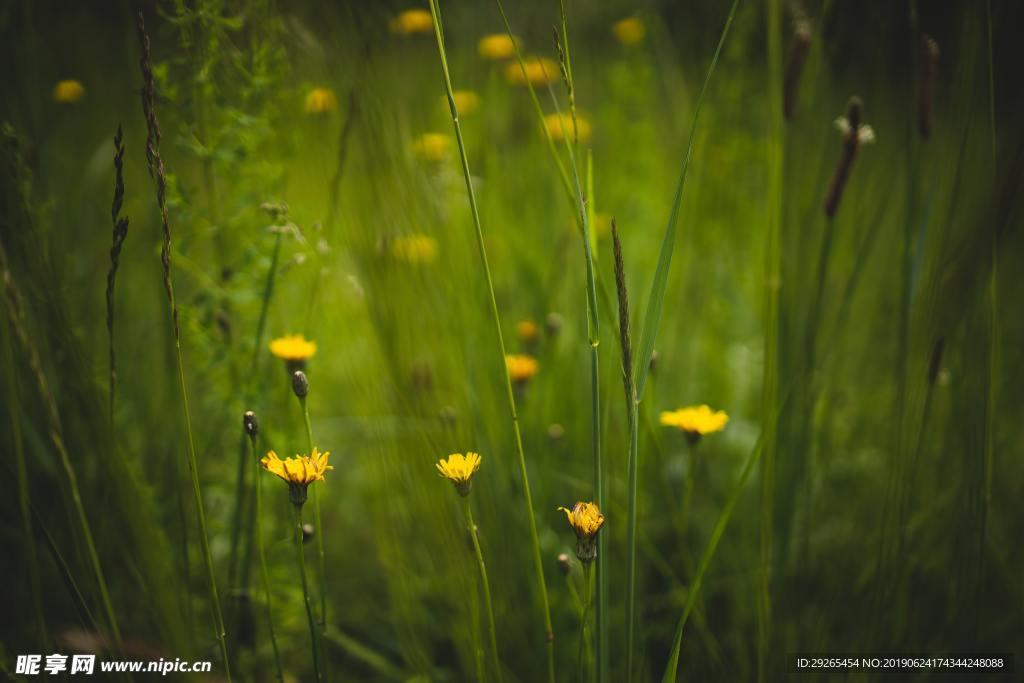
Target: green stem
[588, 577]
[632, 486]
[305, 592]
[510, 394]
[318, 532]
[263, 564]
[488, 604]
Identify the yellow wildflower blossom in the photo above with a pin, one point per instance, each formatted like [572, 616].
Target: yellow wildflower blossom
[560, 125]
[412, 21]
[629, 31]
[321, 101]
[539, 71]
[527, 331]
[432, 146]
[298, 472]
[695, 421]
[466, 101]
[496, 47]
[415, 248]
[68, 91]
[586, 520]
[294, 349]
[459, 470]
[521, 367]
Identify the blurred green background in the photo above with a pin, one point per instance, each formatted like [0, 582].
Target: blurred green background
[889, 518]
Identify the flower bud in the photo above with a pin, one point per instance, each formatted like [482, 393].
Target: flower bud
[553, 322]
[307, 532]
[564, 563]
[300, 384]
[250, 424]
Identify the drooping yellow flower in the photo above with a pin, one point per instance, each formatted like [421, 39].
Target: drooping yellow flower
[68, 91]
[466, 101]
[321, 101]
[415, 248]
[298, 472]
[586, 520]
[412, 21]
[496, 47]
[561, 125]
[539, 71]
[527, 331]
[695, 421]
[432, 146]
[293, 348]
[459, 470]
[521, 367]
[629, 31]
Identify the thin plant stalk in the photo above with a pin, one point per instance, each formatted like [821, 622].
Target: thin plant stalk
[120, 231]
[319, 535]
[263, 561]
[156, 169]
[588, 580]
[485, 584]
[510, 393]
[305, 592]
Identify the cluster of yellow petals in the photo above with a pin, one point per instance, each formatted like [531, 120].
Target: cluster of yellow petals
[321, 101]
[457, 468]
[412, 21]
[466, 101]
[68, 91]
[415, 248]
[301, 470]
[527, 331]
[521, 367]
[585, 518]
[539, 71]
[629, 31]
[432, 146]
[697, 420]
[496, 47]
[293, 347]
[562, 125]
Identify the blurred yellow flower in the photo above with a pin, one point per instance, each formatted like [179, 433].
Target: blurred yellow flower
[459, 470]
[586, 520]
[415, 248]
[527, 331]
[299, 472]
[466, 101]
[560, 125]
[432, 146]
[496, 46]
[539, 71]
[412, 21]
[321, 101]
[629, 31]
[695, 421]
[293, 347]
[521, 367]
[68, 91]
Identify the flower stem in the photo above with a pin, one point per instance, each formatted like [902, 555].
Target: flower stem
[492, 632]
[263, 564]
[318, 531]
[305, 591]
[534, 539]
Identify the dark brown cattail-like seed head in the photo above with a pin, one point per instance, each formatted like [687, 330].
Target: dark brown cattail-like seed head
[300, 384]
[251, 424]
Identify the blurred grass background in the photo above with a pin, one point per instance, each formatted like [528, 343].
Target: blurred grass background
[895, 521]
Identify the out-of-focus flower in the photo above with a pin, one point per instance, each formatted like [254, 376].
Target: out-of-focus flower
[521, 367]
[496, 47]
[695, 421]
[412, 21]
[293, 348]
[68, 91]
[539, 71]
[629, 31]
[466, 101]
[459, 470]
[321, 101]
[527, 331]
[415, 248]
[432, 146]
[561, 125]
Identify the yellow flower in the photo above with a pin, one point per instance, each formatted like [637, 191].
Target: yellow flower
[496, 46]
[527, 331]
[539, 71]
[293, 348]
[695, 421]
[321, 101]
[629, 31]
[466, 101]
[432, 146]
[415, 248]
[560, 125]
[521, 367]
[68, 91]
[586, 520]
[298, 472]
[412, 21]
[459, 470]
